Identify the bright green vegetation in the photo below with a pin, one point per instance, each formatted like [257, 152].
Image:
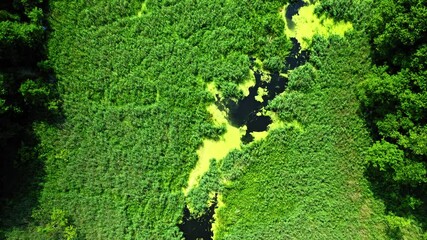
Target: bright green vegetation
[137, 151]
[217, 148]
[114, 134]
[308, 180]
[135, 103]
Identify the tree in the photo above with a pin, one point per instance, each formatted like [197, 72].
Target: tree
[398, 30]
[391, 160]
[394, 101]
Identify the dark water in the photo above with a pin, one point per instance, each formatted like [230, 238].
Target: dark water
[296, 57]
[292, 10]
[246, 111]
[198, 228]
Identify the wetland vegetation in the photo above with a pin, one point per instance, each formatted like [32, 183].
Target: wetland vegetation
[213, 119]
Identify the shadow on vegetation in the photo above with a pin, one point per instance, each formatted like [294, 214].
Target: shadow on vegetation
[21, 169]
[400, 199]
[392, 96]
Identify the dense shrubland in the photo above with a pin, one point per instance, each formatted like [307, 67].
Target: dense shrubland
[393, 103]
[327, 101]
[306, 180]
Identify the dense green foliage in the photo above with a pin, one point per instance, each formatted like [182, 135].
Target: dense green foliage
[307, 180]
[394, 99]
[27, 95]
[398, 29]
[133, 88]
[355, 11]
[125, 92]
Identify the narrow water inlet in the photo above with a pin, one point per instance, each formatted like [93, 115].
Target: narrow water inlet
[201, 227]
[248, 110]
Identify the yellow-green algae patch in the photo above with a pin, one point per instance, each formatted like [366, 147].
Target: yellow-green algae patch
[259, 135]
[265, 76]
[295, 125]
[217, 223]
[307, 24]
[258, 65]
[213, 90]
[261, 92]
[212, 149]
[276, 123]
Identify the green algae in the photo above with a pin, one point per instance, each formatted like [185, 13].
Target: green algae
[307, 24]
[215, 149]
[261, 92]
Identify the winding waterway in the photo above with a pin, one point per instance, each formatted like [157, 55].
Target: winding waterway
[248, 112]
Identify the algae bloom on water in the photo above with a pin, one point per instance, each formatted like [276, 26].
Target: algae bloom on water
[306, 24]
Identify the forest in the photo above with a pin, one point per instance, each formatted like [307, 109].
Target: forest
[213, 119]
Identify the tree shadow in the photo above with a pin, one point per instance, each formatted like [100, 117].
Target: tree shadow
[403, 200]
[22, 172]
[21, 168]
